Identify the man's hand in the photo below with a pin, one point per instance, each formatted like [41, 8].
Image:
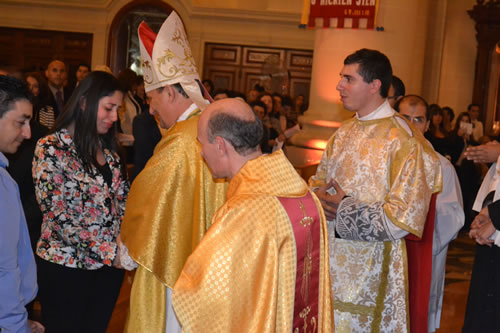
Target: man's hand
[482, 228]
[330, 202]
[117, 262]
[487, 153]
[480, 219]
[484, 233]
[36, 327]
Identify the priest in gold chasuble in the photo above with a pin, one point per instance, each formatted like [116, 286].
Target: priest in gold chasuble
[263, 264]
[375, 182]
[172, 201]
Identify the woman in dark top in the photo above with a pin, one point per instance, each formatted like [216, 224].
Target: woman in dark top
[436, 134]
[460, 137]
[468, 173]
[81, 187]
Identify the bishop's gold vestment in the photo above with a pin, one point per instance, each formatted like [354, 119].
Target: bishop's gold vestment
[169, 208]
[387, 174]
[242, 276]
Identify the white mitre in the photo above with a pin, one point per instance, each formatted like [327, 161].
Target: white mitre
[166, 59]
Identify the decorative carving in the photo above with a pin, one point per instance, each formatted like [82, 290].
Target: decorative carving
[486, 14]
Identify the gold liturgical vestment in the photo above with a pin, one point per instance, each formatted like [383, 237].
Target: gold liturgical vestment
[387, 173]
[170, 206]
[242, 276]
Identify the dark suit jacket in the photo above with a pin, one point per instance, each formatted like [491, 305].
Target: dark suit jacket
[52, 100]
[20, 169]
[494, 211]
[146, 136]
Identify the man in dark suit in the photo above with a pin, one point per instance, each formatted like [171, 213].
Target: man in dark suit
[56, 74]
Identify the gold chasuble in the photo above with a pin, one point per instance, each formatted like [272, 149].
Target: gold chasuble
[263, 264]
[388, 172]
[169, 208]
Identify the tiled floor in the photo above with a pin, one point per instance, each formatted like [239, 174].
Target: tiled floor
[458, 271]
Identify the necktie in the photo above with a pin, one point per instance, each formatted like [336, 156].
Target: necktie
[59, 101]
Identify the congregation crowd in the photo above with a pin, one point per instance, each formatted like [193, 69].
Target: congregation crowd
[191, 188]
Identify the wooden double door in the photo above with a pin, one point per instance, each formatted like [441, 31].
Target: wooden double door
[32, 50]
[239, 68]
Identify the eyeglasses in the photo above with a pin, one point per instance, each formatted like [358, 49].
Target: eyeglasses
[415, 120]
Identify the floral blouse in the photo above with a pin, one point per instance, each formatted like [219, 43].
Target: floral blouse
[81, 213]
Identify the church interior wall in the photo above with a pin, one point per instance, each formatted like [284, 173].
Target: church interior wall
[459, 56]
[274, 23]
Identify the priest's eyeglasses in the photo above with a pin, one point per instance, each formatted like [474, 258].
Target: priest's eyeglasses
[415, 120]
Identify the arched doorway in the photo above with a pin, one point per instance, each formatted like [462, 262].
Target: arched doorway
[123, 43]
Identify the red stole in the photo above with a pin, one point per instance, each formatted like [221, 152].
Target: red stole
[419, 272]
[306, 225]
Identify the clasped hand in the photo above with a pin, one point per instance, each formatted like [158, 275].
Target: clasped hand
[482, 228]
[330, 202]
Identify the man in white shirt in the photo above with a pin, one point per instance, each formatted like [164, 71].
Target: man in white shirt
[477, 125]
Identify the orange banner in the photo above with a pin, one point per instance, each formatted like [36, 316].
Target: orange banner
[355, 10]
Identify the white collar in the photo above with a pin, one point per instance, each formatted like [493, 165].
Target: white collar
[186, 113]
[383, 111]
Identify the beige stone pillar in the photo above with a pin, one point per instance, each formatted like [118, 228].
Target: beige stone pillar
[403, 40]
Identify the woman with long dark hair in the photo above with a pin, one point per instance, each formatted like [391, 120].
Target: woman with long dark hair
[43, 112]
[437, 134]
[81, 187]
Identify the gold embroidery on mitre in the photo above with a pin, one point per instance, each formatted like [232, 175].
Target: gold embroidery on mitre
[180, 65]
[147, 75]
[171, 60]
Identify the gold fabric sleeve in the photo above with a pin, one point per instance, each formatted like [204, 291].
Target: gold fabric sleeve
[415, 173]
[241, 278]
[146, 316]
[169, 209]
[170, 204]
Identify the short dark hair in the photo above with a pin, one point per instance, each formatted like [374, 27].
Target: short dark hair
[181, 90]
[83, 64]
[221, 91]
[81, 110]
[373, 65]
[399, 87]
[287, 101]
[258, 103]
[259, 88]
[127, 78]
[471, 105]
[210, 84]
[245, 136]
[11, 91]
[414, 100]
